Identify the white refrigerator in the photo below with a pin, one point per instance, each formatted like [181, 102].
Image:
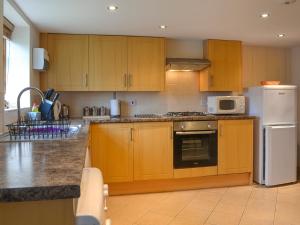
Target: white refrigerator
[275, 134]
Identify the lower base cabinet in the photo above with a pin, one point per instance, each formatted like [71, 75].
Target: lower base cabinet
[112, 151]
[235, 146]
[153, 151]
[140, 152]
[133, 151]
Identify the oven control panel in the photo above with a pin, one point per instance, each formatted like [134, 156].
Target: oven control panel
[195, 125]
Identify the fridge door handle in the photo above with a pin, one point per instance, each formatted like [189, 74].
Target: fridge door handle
[284, 126]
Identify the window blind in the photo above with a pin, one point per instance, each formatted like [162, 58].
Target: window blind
[8, 28]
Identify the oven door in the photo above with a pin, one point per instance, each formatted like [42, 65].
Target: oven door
[195, 149]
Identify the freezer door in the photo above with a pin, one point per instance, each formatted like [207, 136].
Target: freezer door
[279, 106]
[280, 155]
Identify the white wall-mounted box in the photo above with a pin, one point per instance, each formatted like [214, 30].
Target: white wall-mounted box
[40, 60]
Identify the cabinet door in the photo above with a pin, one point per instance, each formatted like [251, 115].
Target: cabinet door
[107, 63]
[264, 63]
[153, 151]
[235, 146]
[68, 69]
[146, 64]
[112, 151]
[225, 72]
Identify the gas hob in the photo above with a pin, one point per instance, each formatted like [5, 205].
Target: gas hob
[170, 114]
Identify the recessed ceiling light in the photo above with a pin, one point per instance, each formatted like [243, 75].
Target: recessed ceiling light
[112, 8]
[281, 35]
[162, 27]
[264, 15]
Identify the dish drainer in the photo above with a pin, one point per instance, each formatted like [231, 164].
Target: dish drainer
[39, 129]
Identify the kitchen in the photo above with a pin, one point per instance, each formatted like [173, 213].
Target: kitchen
[165, 111]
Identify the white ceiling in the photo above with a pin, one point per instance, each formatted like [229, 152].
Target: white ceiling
[186, 19]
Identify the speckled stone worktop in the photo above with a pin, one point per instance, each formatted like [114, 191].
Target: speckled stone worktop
[42, 170]
[173, 119]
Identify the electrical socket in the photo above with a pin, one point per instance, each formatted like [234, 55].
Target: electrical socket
[133, 102]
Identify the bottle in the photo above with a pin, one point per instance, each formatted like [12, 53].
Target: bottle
[35, 107]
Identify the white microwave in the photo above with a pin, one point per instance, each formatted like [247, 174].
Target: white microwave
[226, 104]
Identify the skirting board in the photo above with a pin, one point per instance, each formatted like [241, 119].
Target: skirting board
[151, 186]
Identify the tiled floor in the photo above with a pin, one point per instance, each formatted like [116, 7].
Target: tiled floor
[246, 205]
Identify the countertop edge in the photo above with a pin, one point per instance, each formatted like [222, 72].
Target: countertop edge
[39, 193]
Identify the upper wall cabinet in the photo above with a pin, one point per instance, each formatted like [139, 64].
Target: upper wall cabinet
[265, 63]
[146, 64]
[104, 63]
[107, 63]
[225, 72]
[68, 70]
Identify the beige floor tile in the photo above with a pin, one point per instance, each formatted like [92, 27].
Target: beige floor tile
[262, 209]
[213, 190]
[129, 214]
[245, 205]
[293, 197]
[172, 205]
[237, 196]
[231, 206]
[287, 213]
[223, 218]
[121, 221]
[255, 221]
[151, 218]
[264, 193]
[194, 215]
[291, 188]
[205, 201]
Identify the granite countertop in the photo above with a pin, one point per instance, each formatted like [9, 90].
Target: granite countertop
[173, 119]
[52, 169]
[42, 170]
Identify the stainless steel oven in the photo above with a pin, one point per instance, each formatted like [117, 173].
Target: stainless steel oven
[195, 144]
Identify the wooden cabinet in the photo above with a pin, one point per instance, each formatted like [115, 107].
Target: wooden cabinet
[68, 69]
[112, 151]
[104, 63]
[107, 63]
[146, 64]
[225, 72]
[153, 150]
[235, 146]
[265, 63]
[126, 152]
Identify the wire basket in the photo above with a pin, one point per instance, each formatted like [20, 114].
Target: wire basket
[38, 129]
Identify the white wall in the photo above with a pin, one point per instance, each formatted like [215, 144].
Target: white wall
[295, 71]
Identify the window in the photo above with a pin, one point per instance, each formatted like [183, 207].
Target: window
[16, 61]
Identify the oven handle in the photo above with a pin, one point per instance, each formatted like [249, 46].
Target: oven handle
[196, 132]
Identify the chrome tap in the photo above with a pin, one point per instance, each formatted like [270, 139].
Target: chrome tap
[19, 97]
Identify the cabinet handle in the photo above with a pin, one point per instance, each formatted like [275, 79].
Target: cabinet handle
[131, 134]
[86, 80]
[129, 80]
[125, 80]
[171, 132]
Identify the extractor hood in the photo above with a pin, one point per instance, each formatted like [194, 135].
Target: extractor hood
[186, 64]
